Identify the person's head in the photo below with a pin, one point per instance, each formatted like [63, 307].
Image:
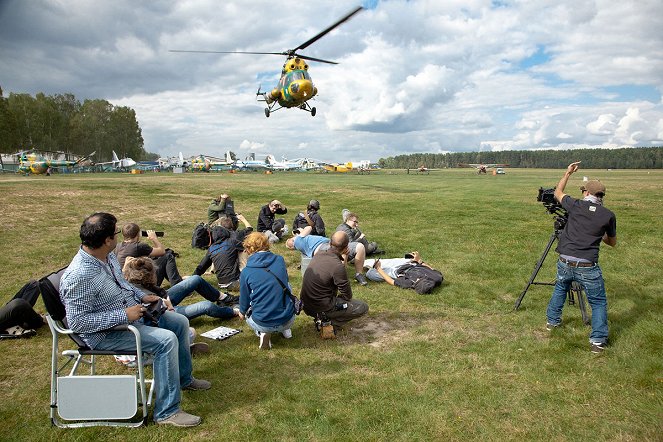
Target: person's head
[593, 187]
[140, 271]
[313, 205]
[227, 223]
[97, 229]
[274, 205]
[339, 242]
[290, 243]
[130, 231]
[352, 220]
[256, 242]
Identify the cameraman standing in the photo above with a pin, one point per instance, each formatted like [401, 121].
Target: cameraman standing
[588, 224]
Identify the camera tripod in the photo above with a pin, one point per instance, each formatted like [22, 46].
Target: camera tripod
[576, 292]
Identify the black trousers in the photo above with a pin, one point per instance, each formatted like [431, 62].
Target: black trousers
[19, 312]
[167, 269]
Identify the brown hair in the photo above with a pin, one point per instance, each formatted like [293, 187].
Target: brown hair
[256, 242]
[140, 271]
[130, 231]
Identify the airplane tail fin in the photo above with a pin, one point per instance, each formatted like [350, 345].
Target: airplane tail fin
[115, 158]
[85, 158]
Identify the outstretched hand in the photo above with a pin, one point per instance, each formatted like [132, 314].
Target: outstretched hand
[573, 167]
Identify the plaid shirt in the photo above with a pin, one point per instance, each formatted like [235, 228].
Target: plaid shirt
[95, 296]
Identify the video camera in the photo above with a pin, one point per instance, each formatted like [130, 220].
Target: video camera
[547, 197]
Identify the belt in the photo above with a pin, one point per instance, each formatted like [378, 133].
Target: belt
[576, 263]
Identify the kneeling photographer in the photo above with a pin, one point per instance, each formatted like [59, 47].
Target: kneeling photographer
[588, 224]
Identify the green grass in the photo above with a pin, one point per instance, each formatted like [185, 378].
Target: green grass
[454, 365]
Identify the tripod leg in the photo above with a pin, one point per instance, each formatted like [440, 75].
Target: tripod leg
[537, 267]
[578, 291]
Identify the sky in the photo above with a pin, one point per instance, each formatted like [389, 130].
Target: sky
[413, 76]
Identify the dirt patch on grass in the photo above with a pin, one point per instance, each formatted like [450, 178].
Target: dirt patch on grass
[381, 331]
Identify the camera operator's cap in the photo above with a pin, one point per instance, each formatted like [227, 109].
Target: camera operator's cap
[314, 204]
[594, 187]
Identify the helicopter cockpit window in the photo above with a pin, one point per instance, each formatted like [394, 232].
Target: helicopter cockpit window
[298, 75]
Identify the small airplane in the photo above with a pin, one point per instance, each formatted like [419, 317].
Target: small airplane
[37, 164]
[482, 168]
[118, 164]
[335, 167]
[295, 87]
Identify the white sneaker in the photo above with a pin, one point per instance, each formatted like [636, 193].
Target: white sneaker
[287, 333]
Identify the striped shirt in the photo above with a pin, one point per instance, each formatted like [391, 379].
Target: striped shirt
[95, 296]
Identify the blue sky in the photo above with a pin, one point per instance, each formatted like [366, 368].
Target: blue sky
[414, 76]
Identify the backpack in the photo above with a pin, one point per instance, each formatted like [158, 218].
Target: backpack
[300, 221]
[420, 278]
[202, 237]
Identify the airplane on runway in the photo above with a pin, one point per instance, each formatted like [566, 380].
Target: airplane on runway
[482, 168]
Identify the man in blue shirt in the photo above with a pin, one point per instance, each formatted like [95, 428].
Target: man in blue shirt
[588, 224]
[97, 297]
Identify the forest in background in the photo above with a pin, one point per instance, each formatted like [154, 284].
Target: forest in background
[622, 158]
[62, 123]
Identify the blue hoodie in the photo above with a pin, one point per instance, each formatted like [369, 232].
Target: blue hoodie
[261, 290]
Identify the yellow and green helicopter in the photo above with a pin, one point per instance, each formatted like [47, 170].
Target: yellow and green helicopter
[37, 164]
[295, 87]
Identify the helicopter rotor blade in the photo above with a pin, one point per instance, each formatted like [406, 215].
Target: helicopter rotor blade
[306, 57]
[230, 52]
[329, 29]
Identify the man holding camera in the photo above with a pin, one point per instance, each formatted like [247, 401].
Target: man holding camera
[164, 259]
[588, 224]
[97, 297]
[267, 224]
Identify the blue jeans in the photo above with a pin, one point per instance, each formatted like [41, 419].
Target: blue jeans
[193, 283]
[273, 329]
[205, 308]
[591, 279]
[169, 343]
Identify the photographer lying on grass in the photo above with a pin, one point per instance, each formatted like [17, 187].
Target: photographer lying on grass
[410, 272]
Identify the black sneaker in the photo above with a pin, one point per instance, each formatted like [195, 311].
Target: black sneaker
[228, 300]
[597, 347]
[361, 279]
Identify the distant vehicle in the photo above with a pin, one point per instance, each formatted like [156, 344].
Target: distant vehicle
[37, 164]
[117, 163]
[499, 171]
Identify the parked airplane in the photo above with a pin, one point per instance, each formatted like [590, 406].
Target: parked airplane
[250, 163]
[178, 161]
[335, 167]
[118, 164]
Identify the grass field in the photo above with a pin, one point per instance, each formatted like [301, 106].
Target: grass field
[454, 365]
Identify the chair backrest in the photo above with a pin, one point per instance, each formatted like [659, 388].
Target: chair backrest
[49, 286]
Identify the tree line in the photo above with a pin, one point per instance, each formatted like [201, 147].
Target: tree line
[62, 123]
[623, 158]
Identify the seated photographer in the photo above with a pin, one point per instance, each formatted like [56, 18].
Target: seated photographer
[310, 217]
[97, 297]
[222, 208]
[350, 226]
[164, 259]
[141, 273]
[224, 254]
[410, 272]
[271, 227]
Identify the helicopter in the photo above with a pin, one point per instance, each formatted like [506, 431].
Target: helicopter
[37, 164]
[295, 87]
